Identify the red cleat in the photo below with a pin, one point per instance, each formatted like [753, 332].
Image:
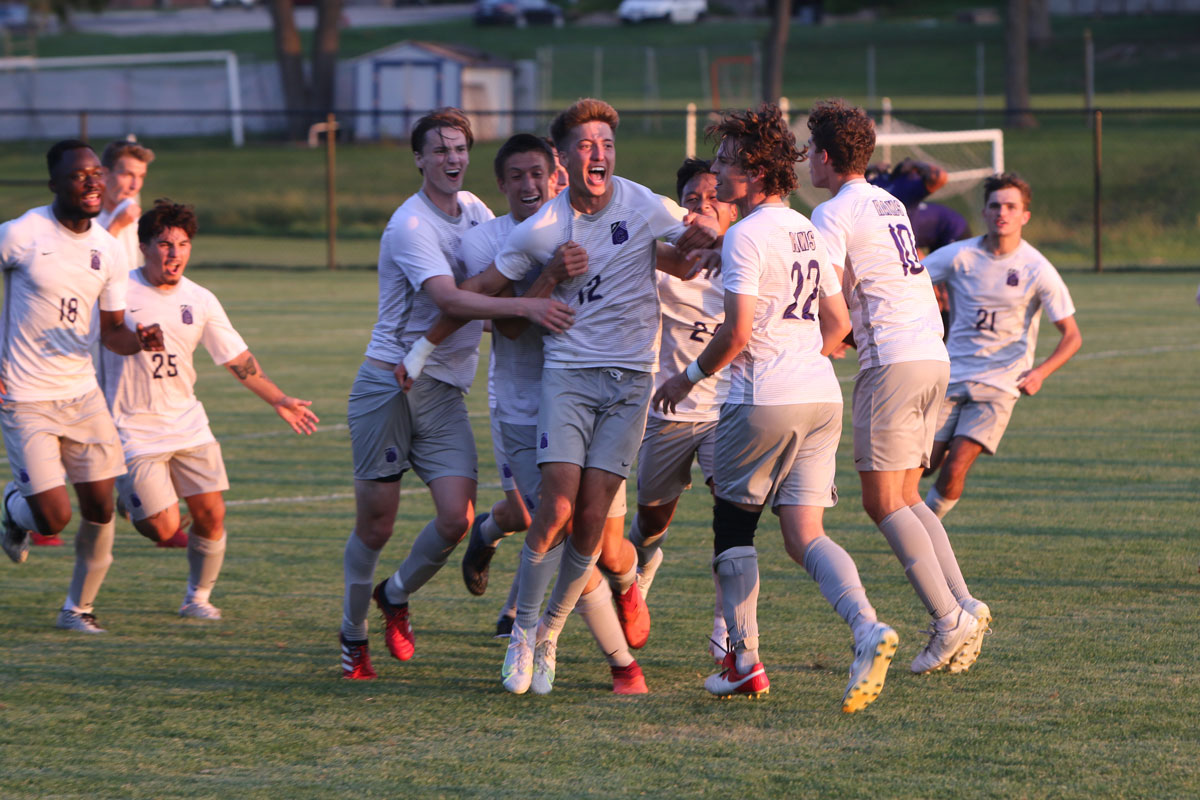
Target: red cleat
[398, 633]
[37, 540]
[356, 660]
[180, 539]
[731, 683]
[635, 617]
[629, 680]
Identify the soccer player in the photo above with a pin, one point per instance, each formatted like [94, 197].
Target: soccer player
[903, 372]
[59, 267]
[691, 313]
[427, 428]
[778, 431]
[169, 448]
[999, 285]
[125, 164]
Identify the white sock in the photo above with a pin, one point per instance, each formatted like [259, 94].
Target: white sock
[572, 578]
[18, 508]
[620, 583]
[534, 575]
[510, 603]
[93, 557]
[646, 546]
[945, 553]
[837, 577]
[429, 554]
[910, 542]
[938, 504]
[490, 532]
[358, 570]
[596, 608]
[205, 557]
[737, 570]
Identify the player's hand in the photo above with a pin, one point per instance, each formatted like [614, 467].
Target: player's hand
[702, 233]
[552, 315]
[839, 352]
[671, 394]
[296, 413]
[706, 261]
[402, 378]
[150, 337]
[1029, 381]
[570, 261]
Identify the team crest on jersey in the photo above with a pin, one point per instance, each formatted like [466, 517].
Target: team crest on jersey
[391, 455]
[544, 443]
[185, 314]
[507, 472]
[620, 234]
[1013, 279]
[135, 501]
[96, 259]
[24, 476]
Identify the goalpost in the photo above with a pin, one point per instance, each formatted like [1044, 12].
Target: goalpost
[225, 57]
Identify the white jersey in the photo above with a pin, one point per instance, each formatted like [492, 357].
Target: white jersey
[892, 306]
[995, 306]
[152, 395]
[421, 242]
[127, 236]
[691, 313]
[615, 301]
[515, 376]
[777, 254]
[54, 279]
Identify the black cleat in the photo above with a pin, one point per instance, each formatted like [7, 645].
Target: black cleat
[477, 560]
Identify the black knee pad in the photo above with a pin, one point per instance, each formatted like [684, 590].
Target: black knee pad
[732, 526]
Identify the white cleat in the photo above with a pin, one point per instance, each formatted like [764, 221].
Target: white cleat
[645, 574]
[201, 609]
[945, 645]
[969, 652]
[872, 657]
[545, 656]
[78, 621]
[517, 672]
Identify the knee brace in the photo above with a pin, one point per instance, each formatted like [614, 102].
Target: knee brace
[732, 526]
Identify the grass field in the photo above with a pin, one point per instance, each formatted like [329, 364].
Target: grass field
[1080, 534]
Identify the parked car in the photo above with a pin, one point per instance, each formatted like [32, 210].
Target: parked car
[518, 12]
[680, 12]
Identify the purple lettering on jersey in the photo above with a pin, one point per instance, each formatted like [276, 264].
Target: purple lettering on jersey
[96, 259]
[185, 313]
[391, 455]
[1012, 278]
[620, 234]
[23, 476]
[544, 443]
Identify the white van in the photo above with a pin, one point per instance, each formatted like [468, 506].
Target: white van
[678, 11]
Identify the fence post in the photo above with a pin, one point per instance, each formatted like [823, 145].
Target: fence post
[980, 85]
[331, 186]
[870, 76]
[1089, 71]
[1096, 206]
[651, 100]
[690, 135]
[83, 126]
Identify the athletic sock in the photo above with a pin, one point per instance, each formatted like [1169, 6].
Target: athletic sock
[945, 553]
[938, 504]
[510, 603]
[737, 571]
[646, 546]
[596, 609]
[93, 556]
[910, 542]
[358, 568]
[720, 633]
[19, 510]
[571, 581]
[490, 532]
[534, 576]
[205, 557]
[837, 576]
[620, 583]
[428, 555]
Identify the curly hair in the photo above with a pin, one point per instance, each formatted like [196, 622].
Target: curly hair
[843, 131]
[164, 215]
[762, 140]
[587, 109]
[447, 117]
[1008, 180]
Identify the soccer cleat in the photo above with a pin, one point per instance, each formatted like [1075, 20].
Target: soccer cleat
[872, 657]
[78, 621]
[356, 660]
[517, 672]
[966, 656]
[629, 680]
[397, 633]
[634, 615]
[731, 683]
[645, 574]
[504, 626]
[477, 560]
[199, 609]
[15, 541]
[37, 540]
[544, 658]
[944, 645]
[178, 539]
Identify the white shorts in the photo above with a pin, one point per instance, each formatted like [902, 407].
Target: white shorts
[521, 442]
[156, 482]
[895, 414]
[665, 458]
[594, 417]
[503, 466]
[977, 412]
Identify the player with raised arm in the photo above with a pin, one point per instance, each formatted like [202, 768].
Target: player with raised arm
[999, 284]
[777, 437]
[170, 451]
[125, 165]
[903, 372]
[425, 429]
[59, 267]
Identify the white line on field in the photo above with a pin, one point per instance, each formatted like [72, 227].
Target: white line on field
[320, 498]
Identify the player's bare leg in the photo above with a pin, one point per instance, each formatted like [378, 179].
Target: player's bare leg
[957, 458]
[647, 532]
[93, 554]
[205, 553]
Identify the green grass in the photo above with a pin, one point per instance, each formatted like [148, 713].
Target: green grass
[1080, 534]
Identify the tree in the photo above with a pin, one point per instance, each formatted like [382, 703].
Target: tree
[776, 49]
[308, 99]
[1016, 66]
[1039, 23]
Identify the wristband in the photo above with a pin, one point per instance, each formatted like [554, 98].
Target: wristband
[695, 373]
[418, 354]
